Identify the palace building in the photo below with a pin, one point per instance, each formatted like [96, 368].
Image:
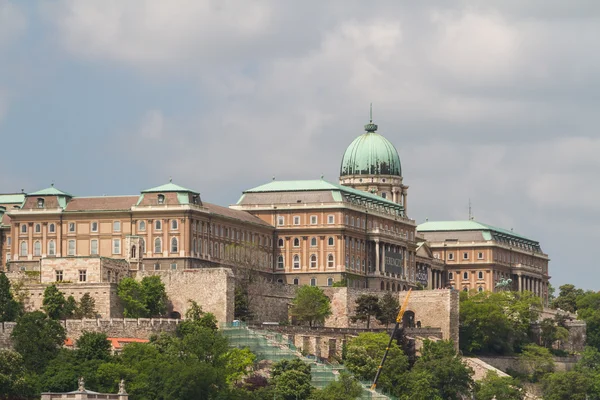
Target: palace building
[305, 232]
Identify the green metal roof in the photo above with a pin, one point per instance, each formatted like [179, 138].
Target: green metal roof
[446, 226]
[371, 154]
[51, 191]
[169, 187]
[12, 198]
[319, 184]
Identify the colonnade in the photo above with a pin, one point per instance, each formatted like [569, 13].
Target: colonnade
[382, 248]
[535, 285]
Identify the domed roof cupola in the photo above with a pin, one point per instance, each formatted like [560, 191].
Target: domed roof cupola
[371, 154]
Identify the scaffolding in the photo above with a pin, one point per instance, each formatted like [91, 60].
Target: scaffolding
[275, 347]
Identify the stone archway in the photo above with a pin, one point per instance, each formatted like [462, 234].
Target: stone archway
[408, 319]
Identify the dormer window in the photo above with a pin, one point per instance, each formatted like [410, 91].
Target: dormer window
[161, 199]
[40, 203]
[196, 199]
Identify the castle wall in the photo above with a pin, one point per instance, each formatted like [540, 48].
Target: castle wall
[211, 288]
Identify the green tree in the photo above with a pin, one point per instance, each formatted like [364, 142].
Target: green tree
[292, 385]
[54, 302]
[154, 295]
[364, 354]
[14, 382]
[498, 388]
[310, 305]
[238, 362]
[389, 306]
[38, 339]
[86, 307]
[451, 377]
[346, 387]
[70, 308]
[536, 361]
[367, 306]
[567, 298]
[551, 332]
[9, 307]
[571, 385]
[287, 365]
[241, 308]
[93, 346]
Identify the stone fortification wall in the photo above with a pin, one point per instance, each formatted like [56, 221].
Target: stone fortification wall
[141, 328]
[269, 302]
[105, 295]
[211, 288]
[506, 363]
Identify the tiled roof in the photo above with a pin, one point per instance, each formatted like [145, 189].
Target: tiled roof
[449, 226]
[239, 215]
[5, 219]
[105, 203]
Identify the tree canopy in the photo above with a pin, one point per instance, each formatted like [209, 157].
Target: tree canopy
[310, 305]
[143, 299]
[367, 306]
[9, 307]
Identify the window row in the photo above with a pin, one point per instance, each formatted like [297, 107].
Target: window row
[465, 256]
[313, 261]
[313, 242]
[313, 281]
[71, 227]
[59, 275]
[313, 219]
[465, 275]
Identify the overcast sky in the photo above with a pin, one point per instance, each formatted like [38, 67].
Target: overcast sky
[496, 101]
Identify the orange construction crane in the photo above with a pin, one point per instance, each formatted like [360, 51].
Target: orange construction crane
[387, 349]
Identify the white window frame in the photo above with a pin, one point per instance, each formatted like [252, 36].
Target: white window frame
[82, 274]
[58, 275]
[71, 250]
[159, 241]
[329, 281]
[313, 261]
[51, 248]
[465, 276]
[330, 261]
[296, 220]
[51, 228]
[451, 256]
[296, 240]
[142, 226]
[280, 221]
[72, 227]
[313, 240]
[38, 228]
[116, 226]
[313, 220]
[158, 225]
[295, 281]
[280, 262]
[450, 276]
[37, 248]
[23, 228]
[480, 255]
[331, 219]
[296, 261]
[175, 225]
[93, 252]
[174, 249]
[92, 224]
[313, 281]
[330, 241]
[465, 255]
[480, 275]
[116, 246]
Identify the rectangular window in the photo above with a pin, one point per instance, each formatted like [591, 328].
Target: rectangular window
[450, 275]
[450, 256]
[71, 248]
[7, 257]
[82, 275]
[94, 227]
[116, 246]
[174, 266]
[313, 219]
[480, 275]
[52, 228]
[296, 220]
[8, 241]
[157, 267]
[71, 226]
[330, 219]
[465, 275]
[465, 256]
[23, 228]
[94, 247]
[59, 276]
[117, 226]
[480, 255]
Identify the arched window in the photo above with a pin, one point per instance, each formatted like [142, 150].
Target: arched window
[382, 286]
[174, 245]
[296, 242]
[37, 249]
[142, 246]
[174, 225]
[387, 286]
[313, 241]
[52, 228]
[280, 262]
[40, 203]
[393, 287]
[142, 225]
[157, 245]
[295, 281]
[330, 241]
[133, 251]
[329, 281]
[23, 228]
[161, 199]
[23, 252]
[313, 261]
[158, 224]
[38, 228]
[313, 282]
[51, 248]
[330, 261]
[280, 242]
[296, 261]
[480, 289]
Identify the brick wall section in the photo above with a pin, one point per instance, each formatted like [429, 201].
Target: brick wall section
[141, 328]
[213, 289]
[105, 295]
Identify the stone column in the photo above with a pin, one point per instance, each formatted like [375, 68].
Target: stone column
[377, 263]
[166, 242]
[44, 239]
[404, 204]
[30, 241]
[322, 258]
[382, 268]
[304, 263]
[287, 255]
[520, 283]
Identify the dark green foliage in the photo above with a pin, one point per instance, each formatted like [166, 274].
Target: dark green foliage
[345, 387]
[310, 305]
[551, 331]
[291, 379]
[567, 386]
[143, 299]
[389, 306]
[499, 388]
[9, 307]
[241, 309]
[567, 298]
[14, 381]
[497, 323]
[536, 361]
[367, 306]
[364, 355]
[418, 385]
[194, 318]
[54, 302]
[38, 339]
[70, 308]
[288, 365]
[450, 376]
[93, 346]
[86, 307]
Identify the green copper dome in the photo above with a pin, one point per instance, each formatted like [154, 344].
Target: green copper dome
[371, 154]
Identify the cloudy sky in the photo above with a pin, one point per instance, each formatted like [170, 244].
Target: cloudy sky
[495, 101]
